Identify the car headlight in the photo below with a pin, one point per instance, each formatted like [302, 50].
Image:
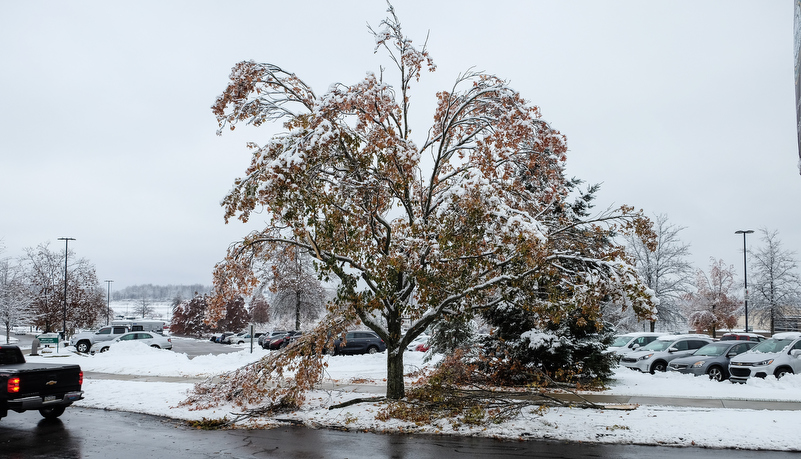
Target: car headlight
[699, 364]
[646, 356]
[763, 363]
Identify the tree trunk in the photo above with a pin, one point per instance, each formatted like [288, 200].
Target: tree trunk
[395, 387]
[297, 310]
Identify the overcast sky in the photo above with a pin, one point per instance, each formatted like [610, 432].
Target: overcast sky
[683, 108]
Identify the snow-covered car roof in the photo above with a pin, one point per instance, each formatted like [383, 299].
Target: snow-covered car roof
[636, 334]
[675, 337]
[787, 335]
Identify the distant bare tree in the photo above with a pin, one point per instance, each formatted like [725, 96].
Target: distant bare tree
[665, 270]
[144, 309]
[714, 306]
[15, 305]
[775, 289]
[297, 292]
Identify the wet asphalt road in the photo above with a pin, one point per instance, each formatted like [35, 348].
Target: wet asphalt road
[88, 433]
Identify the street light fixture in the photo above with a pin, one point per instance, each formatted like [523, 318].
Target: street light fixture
[66, 255]
[745, 274]
[108, 301]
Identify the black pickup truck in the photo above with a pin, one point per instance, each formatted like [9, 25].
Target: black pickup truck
[46, 387]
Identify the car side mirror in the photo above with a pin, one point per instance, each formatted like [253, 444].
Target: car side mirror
[672, 349]
[731, 354]
[635, 346]
[796, 353]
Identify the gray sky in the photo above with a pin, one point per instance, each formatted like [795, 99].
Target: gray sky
[682, 108]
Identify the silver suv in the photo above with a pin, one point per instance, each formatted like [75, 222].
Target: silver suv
[656, 355]
[777, 356]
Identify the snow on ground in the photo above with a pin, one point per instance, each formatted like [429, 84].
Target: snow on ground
[656, 425]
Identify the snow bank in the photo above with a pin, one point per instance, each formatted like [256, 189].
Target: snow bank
[653, 425]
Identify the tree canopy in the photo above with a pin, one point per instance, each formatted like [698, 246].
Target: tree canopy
[474, 215]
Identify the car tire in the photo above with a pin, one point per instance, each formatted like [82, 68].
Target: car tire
[156, 346]
[659, 366]
[103, 349]
[52, 412]
[372, 350]
[82, 347]
[780, 372]
[716, 373]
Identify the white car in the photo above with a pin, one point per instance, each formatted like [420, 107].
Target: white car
[623, 344]
[656, 355]
[777, 356]
[151, 339]
[422, 339]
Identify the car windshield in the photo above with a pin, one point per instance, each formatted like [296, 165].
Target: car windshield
[771, 346]
[620, 341]
[713, 349]
[657, 345]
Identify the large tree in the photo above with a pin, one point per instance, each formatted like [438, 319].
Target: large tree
[665, 269]
[775, 287]
[714, 304]
[44, 272]
[414, 233]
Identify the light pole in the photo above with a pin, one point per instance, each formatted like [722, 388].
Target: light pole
[108, 300]
[745, 274]
[66, 255]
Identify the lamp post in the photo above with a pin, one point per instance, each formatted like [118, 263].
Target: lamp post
[66, 255]
[745, 274]
[108, 301]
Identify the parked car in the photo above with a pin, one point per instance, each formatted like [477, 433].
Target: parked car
[742, 336]
[277, 342]
[236, 338]
[777, 356]
[264, 340]
[285, 340]
[415, 344]
[656, 355]
[243, 338]
[623, 344]
[152, 339]
[84, 341]
[221, 337]
[712, 359]
[359, 342]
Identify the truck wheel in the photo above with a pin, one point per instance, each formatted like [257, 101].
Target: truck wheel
[52, 413]
[82, 347]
